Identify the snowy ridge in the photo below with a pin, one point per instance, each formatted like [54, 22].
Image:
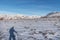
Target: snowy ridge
[18, 16]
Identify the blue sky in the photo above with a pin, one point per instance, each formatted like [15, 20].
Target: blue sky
[29, 7]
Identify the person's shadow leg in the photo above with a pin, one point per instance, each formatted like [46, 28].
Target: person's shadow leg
[10, 38]
[14, 38]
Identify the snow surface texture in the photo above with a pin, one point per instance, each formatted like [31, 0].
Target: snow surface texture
[31, 29]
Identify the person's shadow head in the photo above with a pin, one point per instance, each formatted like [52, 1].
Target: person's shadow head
[12, 27]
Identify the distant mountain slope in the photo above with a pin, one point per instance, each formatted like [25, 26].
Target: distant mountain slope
[53, 14]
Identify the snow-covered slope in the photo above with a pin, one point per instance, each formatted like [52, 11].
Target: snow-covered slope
[31, 29]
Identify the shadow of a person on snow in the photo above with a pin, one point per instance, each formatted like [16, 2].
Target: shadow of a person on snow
[12, 35]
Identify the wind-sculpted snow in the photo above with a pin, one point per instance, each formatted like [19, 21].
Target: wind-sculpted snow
[31, 29]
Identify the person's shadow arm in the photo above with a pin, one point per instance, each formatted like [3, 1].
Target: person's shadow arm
[15, 31]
